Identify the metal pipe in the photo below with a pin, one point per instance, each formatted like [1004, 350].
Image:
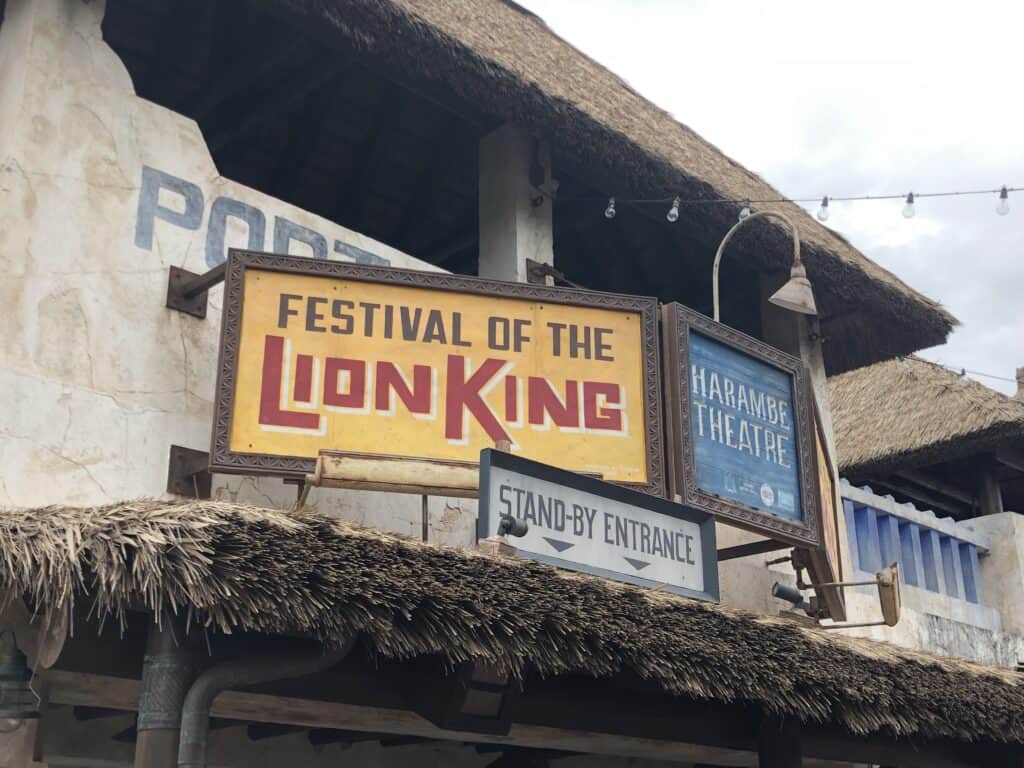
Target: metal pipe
[167, 672]
[195, 713]
[731, 232]
[204, 282]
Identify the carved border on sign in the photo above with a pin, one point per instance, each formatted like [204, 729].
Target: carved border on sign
[223, 459]
[677, 322]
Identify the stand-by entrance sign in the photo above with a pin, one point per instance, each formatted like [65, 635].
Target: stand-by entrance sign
[583, 524]
[741, 437]
[431, 366]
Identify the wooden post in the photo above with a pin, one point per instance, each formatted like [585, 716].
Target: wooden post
[425, 514]
[19, 747]
[990, 495]
[779, 743]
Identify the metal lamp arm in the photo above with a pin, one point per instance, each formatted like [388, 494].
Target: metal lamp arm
[728, 236]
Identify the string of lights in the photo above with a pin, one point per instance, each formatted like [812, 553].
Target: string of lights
[909, 208]
[965, 371]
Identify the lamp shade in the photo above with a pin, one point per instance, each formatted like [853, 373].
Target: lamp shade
[796, 295]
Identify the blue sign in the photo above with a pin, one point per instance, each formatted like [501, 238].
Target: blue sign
[743, 429]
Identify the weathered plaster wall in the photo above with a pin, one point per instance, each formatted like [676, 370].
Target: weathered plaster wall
[1002, 572]
[100, 193]
[938, 624]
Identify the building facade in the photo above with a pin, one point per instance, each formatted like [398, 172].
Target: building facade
[137, 137]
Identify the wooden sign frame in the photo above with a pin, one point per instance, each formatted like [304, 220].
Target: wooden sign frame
[820, 564]
[223, 459]
[612, 495]
[677, 323]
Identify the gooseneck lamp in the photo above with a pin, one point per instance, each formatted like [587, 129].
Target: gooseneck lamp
[796, 295]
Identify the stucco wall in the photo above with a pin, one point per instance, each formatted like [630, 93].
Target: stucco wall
[100, 193]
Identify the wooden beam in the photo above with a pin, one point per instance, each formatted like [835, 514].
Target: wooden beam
[821, 745]
[387, 473]
[779, 743]
[441, 252]
[279, 97]
[122, 693]
[938, 486]
[352, 193]
[244, 74]
[441, 153]
[263, 731]
[184, 42]
[930, 499]
[1011, 458]
[304, 131]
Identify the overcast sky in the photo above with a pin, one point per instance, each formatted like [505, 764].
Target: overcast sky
[848, 99]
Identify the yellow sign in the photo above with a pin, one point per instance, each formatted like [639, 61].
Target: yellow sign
[404, 368]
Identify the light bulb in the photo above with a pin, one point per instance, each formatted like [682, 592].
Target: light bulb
[609, 212]
[823, 211]
[908, 209]
[1003, 206]
[745, 210]
[673, 212]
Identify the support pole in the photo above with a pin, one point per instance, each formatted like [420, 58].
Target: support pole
[779, 743]
[515, 205]
[990, 494]
[167, 673]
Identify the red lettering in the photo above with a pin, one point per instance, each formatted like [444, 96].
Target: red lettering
[464, 395]
[304, 379]
[356, 395]
[543, 399]
[271, 413]
[390, 379]
[511, 399]
[609, 417]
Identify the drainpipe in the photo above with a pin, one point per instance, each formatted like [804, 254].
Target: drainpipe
[195, 713]
[167, 672]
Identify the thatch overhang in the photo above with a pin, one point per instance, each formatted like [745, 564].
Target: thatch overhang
[235, 567]
[908, 413]
[509, 65]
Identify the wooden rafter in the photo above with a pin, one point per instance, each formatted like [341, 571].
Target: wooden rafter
[350, 206]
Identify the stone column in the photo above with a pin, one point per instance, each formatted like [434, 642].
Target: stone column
[515, 214]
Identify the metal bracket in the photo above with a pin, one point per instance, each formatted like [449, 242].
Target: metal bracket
[188, 473]
[187, 291]
[537, 271]
[753, 548]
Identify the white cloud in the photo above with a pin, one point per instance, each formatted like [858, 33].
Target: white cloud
[855, 98]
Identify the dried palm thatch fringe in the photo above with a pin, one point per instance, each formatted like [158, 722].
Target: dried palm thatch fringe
[232, 566]
[910, 412]
[509, 65]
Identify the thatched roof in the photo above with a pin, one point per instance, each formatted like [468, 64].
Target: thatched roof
[232, 566]
[510, 65]
[909, 413]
